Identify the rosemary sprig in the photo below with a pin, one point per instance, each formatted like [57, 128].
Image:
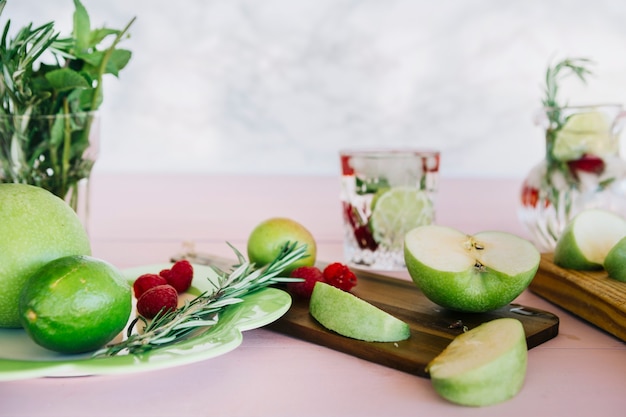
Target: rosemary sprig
[204, 311]
[562, 69]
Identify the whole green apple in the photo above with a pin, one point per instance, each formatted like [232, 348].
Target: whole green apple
[36, 227]
[270, 236]
[615, 261]
[588, 238]
[484, 366]
[475, 273]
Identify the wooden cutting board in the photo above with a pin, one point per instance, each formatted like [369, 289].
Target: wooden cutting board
[432, 327]
[591, 295]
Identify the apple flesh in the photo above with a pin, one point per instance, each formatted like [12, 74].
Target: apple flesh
[467, 273]
[615, 261]
[350, 316]
[269, 237]
[36, 227]
[484, 366]
[588, 238]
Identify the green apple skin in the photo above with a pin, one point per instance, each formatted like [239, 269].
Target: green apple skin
[269, 237]
[36, 227]
[350, 316]
[484, 366]
[615, 261]
[587, 239]
[470, 288]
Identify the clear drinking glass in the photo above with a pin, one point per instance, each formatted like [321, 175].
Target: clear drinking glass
[54, 152]
[384, 194]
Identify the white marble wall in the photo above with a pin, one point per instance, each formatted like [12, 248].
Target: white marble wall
[279, 86]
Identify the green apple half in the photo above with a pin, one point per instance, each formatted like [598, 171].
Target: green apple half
[269, 237]
[350, 316]
[615, 261]
[484, 366]
[36, 227]
[467, 273]
[588, 238]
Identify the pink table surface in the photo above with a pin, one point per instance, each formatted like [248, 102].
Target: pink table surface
[140, 219]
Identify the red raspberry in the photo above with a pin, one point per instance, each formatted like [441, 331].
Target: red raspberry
[340, 276]
[157, 298]
[310, 274]
[145, 282]
[179, 276]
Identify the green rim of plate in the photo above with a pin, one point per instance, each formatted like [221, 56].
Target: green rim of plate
[257, 310]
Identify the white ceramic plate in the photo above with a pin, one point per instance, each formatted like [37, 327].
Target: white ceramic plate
[21, 358]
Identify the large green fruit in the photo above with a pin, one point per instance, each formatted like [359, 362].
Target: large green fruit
[36, 227]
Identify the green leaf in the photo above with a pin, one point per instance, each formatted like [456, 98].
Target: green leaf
[118, 60]
[66, 79]
[56, 133]
[98, 35]
[82, 27]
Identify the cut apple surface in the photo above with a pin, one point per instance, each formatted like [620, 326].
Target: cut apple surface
[484, 366]
[475, 273]
[350, 316]
[588, 238]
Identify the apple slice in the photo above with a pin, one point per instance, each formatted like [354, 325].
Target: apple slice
[350, 316]
[483, 366]
[469, 273]
[588, 238]
[615, 261]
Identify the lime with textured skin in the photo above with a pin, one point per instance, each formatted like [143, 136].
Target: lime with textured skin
[484, 366]
[615, 261]
[588, 238]
[75, 304]
[36, 227]
[350, 316]
[269, 237]
[475, 273]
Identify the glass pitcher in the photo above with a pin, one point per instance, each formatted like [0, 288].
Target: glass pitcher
[582, 168]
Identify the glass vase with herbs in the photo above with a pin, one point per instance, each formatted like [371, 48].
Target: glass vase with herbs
[50, 93]
[582, 167]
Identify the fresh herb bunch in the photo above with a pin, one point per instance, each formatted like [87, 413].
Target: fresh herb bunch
[554, 74]
[48, 151]
[204, 311]
[561, 70]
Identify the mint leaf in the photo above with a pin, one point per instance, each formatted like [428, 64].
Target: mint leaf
[66, 79]
[82, 27]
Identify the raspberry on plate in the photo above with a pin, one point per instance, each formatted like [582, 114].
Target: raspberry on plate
[146, 281]
[310, 274]
[157, 298]
[179, 275]
[340, 276]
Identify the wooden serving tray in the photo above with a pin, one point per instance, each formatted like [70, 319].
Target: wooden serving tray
[591, 295]
[432, 327]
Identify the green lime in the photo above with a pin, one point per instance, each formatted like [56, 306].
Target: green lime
[377, 195]
[584, 133]
[397, 211]
[75, 304]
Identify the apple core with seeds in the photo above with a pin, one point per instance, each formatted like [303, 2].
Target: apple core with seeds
[471, 273]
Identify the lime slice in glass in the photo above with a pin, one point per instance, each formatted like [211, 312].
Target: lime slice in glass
[397, 211]
[583, 133]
